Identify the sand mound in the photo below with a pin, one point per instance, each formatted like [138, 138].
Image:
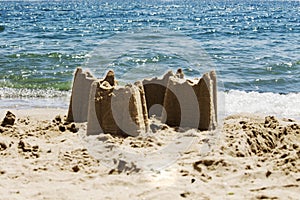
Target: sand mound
[278, 140]
[262, 136]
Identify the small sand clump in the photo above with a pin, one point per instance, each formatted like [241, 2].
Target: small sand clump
[9, 119]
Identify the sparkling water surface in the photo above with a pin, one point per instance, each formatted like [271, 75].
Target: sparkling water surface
[253, 45]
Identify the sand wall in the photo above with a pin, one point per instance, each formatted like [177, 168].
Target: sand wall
[155, 90]
[78, 107]
[191, 103]
[116, 110]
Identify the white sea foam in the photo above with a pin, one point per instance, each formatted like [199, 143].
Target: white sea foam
[31, 93]
[12, 98]
[31, 103]
[232, 102]
[281, 105]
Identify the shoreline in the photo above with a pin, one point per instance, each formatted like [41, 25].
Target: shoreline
[229, 103]
[35, 113]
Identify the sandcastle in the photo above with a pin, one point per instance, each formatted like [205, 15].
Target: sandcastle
[125, 110]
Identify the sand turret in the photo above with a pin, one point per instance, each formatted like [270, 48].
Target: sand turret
[118, 110]
[80, 96]
[191, 103]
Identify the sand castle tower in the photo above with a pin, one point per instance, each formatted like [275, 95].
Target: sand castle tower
[80, 96]
[191, 103]
[116, 110]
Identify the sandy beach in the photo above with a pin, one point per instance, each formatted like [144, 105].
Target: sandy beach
[248, 157]
[149, 100]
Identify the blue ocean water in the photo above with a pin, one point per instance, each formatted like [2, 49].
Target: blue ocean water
[253, 45]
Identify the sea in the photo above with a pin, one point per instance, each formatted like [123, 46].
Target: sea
[254, 47]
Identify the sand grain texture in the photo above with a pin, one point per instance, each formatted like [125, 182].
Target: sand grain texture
[251, 157]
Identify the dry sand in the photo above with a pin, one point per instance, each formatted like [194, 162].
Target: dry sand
[249, 157]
